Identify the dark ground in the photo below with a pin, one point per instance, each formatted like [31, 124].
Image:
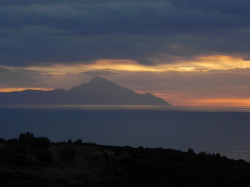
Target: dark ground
[29, 161]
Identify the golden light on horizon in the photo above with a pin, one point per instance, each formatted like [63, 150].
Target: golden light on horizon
[202, 63]
[180, 99]
[214, 64]
[225, 102]
[22, 89]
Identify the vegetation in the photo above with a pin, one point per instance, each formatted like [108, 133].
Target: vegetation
[31, 161]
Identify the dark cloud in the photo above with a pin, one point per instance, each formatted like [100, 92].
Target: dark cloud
[23, 78]
[44, 31]
[19, 78]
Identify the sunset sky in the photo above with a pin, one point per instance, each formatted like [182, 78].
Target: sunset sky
[189, 52]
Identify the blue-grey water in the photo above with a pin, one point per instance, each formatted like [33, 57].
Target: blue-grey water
[203, 129]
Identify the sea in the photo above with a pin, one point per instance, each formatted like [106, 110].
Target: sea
[204, 129]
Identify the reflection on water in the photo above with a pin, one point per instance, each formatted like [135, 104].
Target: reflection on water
[134, 107]
[224, 130]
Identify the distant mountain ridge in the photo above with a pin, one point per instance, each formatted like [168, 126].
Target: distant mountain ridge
[98, 91]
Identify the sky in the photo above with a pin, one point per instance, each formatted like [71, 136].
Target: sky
[191, 53]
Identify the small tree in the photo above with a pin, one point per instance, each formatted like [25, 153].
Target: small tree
[190, 151]
[2, 140]
[69, 141]
[40, 143]
[78, 141]
[26, 138]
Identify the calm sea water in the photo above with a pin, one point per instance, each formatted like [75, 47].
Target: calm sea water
[224, 130]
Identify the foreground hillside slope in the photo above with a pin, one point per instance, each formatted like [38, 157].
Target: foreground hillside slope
[98, 91]
[29, 161]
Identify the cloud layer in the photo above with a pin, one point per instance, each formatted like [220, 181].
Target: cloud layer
[214, 87]
[189, 52]
[161, 31]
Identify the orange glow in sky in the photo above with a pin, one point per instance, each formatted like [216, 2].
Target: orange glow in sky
[186, 100]
[199, 64]
[203, 63]
[22, 89]
[226, 102]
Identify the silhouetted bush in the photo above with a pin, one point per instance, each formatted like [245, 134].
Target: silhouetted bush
[141, 148]
[22, 151]
[12, 141]
[40, 143]
[12, 148]
[2, 140]
[190, 151]
[26, 138]
[35, 143]
[21, 160]
[224, 157]
[217, 155]
[68, 154]
[78, 141]
[69, 141]
[90, 143]
[16, 154]
[202, 154]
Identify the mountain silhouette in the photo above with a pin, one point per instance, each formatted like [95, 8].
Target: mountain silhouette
[98, 91]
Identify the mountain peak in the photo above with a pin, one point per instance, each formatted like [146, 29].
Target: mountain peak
[98, 91]
[98, 80]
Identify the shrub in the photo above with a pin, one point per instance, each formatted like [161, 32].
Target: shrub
[2, 140]
[12, 141]
[78, 141]
[190, 151]
[40, 143]
[26, 138]
[13, 148]
[35, 143]
[69, 141]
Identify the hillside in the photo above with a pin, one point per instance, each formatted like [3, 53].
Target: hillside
[29, 161]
